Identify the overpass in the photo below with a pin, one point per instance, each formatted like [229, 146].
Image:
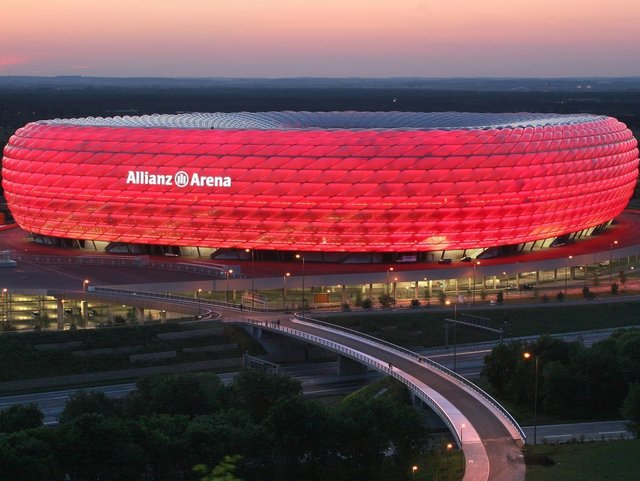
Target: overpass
[488, 435]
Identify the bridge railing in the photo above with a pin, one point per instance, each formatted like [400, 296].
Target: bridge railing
[174, 297]
[365, 359]
[426, 360]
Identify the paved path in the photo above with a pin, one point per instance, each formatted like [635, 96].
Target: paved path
[491, 452]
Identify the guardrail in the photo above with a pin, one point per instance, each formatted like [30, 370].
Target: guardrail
[425, 360]
[368, 360]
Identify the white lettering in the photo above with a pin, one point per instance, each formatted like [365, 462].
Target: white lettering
[181, 179]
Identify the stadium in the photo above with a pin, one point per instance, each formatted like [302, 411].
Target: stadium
[406, 184]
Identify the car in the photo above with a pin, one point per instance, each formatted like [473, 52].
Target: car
[511, 287]
[445, 261]
[465, 259]
[526, 287]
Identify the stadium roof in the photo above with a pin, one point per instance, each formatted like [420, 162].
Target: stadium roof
[349, 120]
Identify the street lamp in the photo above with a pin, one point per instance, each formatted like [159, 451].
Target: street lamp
[614, 243]
[566, 266]
[476, 263]
[390, 269]
[253, 281]
[284, 290]
[301, 256]
[198, 292]
[395, 281]
[4, 303]
[226, 294]
[413, 471]
[455, 333]
[449, 448]
[527, 356]
[85, 283]
[462, 426]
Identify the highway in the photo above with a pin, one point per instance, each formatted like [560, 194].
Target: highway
[318, 380]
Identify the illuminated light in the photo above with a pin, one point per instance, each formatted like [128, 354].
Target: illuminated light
[321, 181]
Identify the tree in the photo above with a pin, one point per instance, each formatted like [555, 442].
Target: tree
[164, 441]
[500, 297]
[30, 456]
[560, 296]
[631, 406]
[386, 301]
[298, 431]
[223, 471]
[500, 363]
[212, 437]
[614, 289]
[85, 402]
[256, 391]
[95, 447]
[20, 417]
[622, 277]
[190, 394]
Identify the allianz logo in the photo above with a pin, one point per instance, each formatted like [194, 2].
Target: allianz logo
[179, 179]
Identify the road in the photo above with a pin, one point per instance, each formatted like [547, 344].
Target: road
[318, 380]
[469, 359]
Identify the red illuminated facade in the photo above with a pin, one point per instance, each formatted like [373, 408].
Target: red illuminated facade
[332, 181]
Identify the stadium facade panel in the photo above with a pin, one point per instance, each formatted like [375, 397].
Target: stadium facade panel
[320, 181]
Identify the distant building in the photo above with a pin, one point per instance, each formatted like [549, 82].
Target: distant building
[385, 182]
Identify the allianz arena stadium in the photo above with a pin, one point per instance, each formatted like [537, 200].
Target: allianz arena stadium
[400, 182]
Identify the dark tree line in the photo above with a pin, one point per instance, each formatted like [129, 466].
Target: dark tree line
[573, 380]
[172, 423]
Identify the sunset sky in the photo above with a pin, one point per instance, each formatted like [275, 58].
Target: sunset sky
[321, 38]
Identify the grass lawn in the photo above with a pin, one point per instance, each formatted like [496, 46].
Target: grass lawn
[606, 461]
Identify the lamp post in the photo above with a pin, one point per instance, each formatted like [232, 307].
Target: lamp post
[462, 426]
[476, 263]
[226, 294]
[413, 472]
[301, 256]
[395, 281]
[390, 269]
[253, 281]
[449, 448]
[284, 290]
[198, 292]
[566, 266]
[455, 333]
[614, 243]
[4, 303]
[528, 355]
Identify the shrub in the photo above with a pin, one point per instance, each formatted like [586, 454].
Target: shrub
[415, 303]
[614, 288]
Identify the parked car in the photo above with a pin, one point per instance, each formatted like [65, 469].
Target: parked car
[445, 261]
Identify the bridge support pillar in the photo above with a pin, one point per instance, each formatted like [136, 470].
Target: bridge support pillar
[140, 314]
[349, 367]
[60, 314]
